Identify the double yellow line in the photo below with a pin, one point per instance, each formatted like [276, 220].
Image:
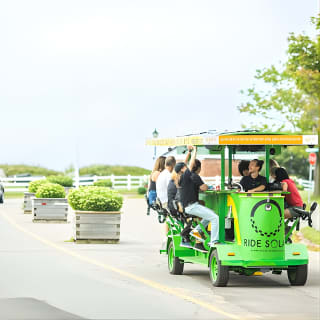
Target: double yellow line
[123, 273]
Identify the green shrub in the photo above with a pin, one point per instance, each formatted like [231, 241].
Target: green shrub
[94, 198]
[14, 169]
[51, 190]
[34, 185]
[142, 190]
[64, 181]
[103, 183]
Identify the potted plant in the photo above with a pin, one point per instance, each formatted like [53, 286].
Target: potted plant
[50, 203]
[32, 188]
[65, 181]
[97, 214]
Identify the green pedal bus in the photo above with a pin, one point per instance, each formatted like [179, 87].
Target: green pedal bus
[254, 237]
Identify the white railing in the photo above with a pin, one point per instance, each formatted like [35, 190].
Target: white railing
[20, 184]
[307, 185]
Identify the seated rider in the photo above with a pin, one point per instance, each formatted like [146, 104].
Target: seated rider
[243, 167]
[273, 185]
[190, 184]
[254, 182]
[158, 167]
[292, 200]
[163, 181]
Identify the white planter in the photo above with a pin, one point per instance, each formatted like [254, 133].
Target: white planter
[27, 202]
[67, 189]
[95, 225]
[50, 209]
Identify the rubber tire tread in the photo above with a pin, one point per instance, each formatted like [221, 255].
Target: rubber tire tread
[298, 277]
[223, 272]
[178, 267]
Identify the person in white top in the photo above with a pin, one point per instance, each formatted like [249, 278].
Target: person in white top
[163, 181]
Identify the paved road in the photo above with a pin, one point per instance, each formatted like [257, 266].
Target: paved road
[45, 277]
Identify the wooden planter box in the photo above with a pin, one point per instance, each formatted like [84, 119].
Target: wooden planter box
[95, 225]
[27, 203]
[50, 209]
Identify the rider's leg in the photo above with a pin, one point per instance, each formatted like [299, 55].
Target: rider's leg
[207, 216]
[287, 214]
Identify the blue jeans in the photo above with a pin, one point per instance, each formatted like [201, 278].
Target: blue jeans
[207, 216]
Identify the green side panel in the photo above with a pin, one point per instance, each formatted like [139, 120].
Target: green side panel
[239, 260]
[261, 225]
[181, 251]
[199, 258]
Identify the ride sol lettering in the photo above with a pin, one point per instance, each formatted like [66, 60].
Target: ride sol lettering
[272, 244]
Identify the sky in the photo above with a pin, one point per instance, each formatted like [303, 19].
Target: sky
[88, 81]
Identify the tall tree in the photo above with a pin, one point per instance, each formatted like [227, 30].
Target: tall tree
[288, 98]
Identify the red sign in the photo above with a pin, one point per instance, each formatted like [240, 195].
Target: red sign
[312, 158]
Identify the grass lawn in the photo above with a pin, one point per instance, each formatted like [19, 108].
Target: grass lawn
[304, 196]
[13, 195]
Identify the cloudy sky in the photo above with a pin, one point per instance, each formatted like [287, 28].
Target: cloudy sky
[99, 76]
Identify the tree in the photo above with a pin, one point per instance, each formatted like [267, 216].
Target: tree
[289, 97]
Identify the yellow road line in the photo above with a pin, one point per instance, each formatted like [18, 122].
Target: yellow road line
[147, 282]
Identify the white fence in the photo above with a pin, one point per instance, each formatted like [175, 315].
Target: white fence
[18, 184]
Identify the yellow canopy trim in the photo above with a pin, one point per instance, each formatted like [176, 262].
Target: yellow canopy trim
[236, 140]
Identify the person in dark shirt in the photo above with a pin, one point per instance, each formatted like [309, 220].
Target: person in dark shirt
[190, 184]
[254, 182]
[173, 193]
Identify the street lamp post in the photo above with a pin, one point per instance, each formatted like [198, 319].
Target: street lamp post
[155, 135]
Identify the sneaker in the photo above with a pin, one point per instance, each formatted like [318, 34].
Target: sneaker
[196, 234]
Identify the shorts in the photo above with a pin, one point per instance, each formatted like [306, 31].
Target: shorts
[152, 196]
[293, 212]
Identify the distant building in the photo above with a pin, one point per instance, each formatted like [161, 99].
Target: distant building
[210, 164]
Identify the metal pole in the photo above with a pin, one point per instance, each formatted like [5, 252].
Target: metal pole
[155, 153]
[222, 168]
[310, 181]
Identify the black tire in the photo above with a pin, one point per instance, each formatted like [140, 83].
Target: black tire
[298, 275]
[175, 266]
[219, 275]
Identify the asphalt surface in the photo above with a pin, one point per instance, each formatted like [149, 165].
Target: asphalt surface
[45, 277]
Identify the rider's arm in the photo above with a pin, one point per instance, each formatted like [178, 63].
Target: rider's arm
[155, 176]
[257, 189]
[186, 160]
[203, 187]
[284, 186]
[193, 158]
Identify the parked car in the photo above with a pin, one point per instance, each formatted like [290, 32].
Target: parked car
[1, 193]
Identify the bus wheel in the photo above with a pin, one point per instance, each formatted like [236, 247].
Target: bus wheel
[174, 264]
[297, 275]
[219, 274]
